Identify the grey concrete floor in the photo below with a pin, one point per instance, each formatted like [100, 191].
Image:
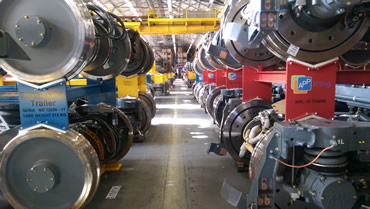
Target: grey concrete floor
[171, 169]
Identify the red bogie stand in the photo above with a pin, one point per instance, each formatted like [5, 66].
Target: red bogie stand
[234, 79]
[205, 77]
[310, 89]
[220, 78]
[209, 77]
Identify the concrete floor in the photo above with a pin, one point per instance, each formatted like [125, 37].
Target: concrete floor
[171, 169]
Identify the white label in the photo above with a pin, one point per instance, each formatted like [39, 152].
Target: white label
[293, 50]
[106, 66]
[113, 193]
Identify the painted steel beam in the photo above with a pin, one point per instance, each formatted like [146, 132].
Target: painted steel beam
[167, 26]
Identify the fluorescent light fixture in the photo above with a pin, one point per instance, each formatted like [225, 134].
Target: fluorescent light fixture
[174, 43]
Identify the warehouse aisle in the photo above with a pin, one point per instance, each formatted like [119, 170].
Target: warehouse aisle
[171, 169]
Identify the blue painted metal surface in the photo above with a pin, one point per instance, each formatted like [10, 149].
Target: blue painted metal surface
[48, 105]
[107, 93]
[149, 78]
[199, 78]
[97, 91]
[43, 106]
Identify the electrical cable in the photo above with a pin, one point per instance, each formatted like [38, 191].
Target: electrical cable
[308, 164]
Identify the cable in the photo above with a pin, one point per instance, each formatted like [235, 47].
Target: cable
[308, 164]
[114, 27]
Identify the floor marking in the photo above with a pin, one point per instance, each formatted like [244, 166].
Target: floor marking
[113, 192]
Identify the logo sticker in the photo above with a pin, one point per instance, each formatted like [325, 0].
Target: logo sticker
[232, 76]
[301, 84]
[211, 75]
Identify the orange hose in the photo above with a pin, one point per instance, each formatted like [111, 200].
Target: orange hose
[310, 163]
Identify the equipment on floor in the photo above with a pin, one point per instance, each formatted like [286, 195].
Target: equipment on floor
[299, 151]
[60, 125]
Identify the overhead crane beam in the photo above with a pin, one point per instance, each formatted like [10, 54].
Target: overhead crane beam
[167, 26]
[176, 22]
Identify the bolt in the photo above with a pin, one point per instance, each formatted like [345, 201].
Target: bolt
[322, 198]
[277, 149]
[300, 192]
[33, 43]
[45, 169]
[277, 134]
[313, 193]
[51, 179]
[26, 17]
[339, 181]
[16, 26]
[28, 180]
[46, 189]
[35, 189]
[20, 39]
[38, 21]
[322, 178]
[33, 170]
[42, 35]
[355, 197]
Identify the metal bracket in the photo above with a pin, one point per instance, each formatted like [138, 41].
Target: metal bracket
[9, 49]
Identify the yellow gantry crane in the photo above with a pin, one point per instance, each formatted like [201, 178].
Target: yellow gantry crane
[177, 21]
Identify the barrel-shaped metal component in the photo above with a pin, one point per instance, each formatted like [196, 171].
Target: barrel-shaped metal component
[61, 51]
[197, 68]
[221, 55]
[310, 42]
[117, 58]
[251, 57]
[211, 98]
[202, 60]
[148, 98]
[46, 169]
[215, 62]
[235, 123]
[142, 57]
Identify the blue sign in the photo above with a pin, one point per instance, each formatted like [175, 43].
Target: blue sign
[199, 78]
[305, 83]
[149, 78]
[44, 106]
[232, 76]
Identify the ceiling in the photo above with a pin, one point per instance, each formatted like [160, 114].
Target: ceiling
[139, 8]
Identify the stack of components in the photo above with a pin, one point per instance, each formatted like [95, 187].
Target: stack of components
[163, 77]
[141, 107]
[309, 160]
[189, 74]
[60, 137]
